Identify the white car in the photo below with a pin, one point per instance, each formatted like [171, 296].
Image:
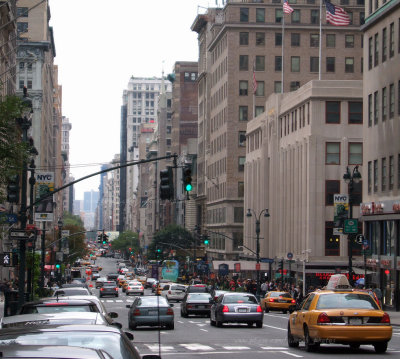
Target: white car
[173, 291]
[134, 287]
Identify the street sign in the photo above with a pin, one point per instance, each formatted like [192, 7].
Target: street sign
[350, 226]
[360, 238]
[9, 217]
[18, 234]
[266, 260]
[290, 255]
[258, 266]
[5, 259]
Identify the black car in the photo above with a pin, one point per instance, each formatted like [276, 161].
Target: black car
[109, 288]
[196, 303]
[197, 288]
[112, 276]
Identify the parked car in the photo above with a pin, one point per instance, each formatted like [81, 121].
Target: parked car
[112, 340]
[196, 303]
[173, 291]
[234, 307]
[150, 311]
[134, 287]
[109, 288]
[64, 292]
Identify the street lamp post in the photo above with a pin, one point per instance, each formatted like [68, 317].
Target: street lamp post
[249, 214]
[350, 178]
[60, 226]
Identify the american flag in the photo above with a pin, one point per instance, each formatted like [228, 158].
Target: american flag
[254, 79]
[335, 15]
[287, 9]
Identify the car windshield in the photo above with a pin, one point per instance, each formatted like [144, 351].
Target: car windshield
[112, 343]
[58, 309]
[178, 287]
[346, 300]
[280, 294]
[241, 298]
[151, 301]
[199, 296]
[71, 291]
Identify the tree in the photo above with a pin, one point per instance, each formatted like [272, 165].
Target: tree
[124, 241]
[13, 151]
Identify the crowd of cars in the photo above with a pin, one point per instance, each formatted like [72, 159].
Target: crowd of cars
[74, 316]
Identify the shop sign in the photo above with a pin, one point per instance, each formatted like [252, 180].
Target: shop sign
[372, 262]
[390, 206]
[386, 263]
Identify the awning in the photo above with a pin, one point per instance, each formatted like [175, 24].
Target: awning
[361, 271]
[49, 267]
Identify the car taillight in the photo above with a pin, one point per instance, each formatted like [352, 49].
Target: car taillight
[116, 289]
[129, 287]
[271, 299]
[136, 312]
[293, 301]
[225, 309]
[141, 288]
[259, 309]
[170, 311]
[323, 318]
[189, 306]
[169, 292]
[101, 289]
[385, 319]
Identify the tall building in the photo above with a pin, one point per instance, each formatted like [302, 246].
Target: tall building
[380, 210]
[238, 43]
[90, 200]
[68, 192]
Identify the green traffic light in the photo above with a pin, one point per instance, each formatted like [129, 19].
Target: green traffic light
[189, 187]
[57, 266]
[206, 242]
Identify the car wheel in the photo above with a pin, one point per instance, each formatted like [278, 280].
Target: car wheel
[212, 322]
[354, 346]
[218, 323]
[183, 315]
[266, 309]
[116, 295]
[249, 324]
[380, 347]
[292, 342]
[308, 342]
[132, 326]
[141, 293]
[170, 326]
[259, 324]
[284, 311]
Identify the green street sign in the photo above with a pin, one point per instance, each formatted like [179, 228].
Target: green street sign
[350, 226]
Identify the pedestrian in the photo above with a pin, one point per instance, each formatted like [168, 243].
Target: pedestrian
[377, 291]
[264, 288]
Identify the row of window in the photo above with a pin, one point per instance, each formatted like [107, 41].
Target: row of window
[217, 168]
[332, 187]
[260, 64]
[306, 16]
[381, 104]
[244, 112]
[383, 169]
[333, 153]
[137, 104]
[386, 37]
[254, 141]
[218, 120]
[148, 95]
[384, 237]
[218, 144]
[216, 191]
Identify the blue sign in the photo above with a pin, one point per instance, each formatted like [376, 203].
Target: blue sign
[266, 260]
[290, 255]
[9, 217]
[223, 269]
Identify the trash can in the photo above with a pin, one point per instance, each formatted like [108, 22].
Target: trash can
[11, 302]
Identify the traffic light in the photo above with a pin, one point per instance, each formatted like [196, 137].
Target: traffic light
[13, 189]
[187, 179]
[206, 240]
[58, 266]
[105, 238]
[280, 270]
[166, 183]
[99, 238]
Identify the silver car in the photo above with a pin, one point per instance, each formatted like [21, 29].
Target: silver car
[236, 308]
[150, 311]
[173, 291]
[134, 287]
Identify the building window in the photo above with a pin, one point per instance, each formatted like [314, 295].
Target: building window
[356, 197]
[355, 113]
[375, 175]
[22, 27]
[384, 45]
[314, 16]
[314, 40]
[295, 63]
[332, 156]
[243, 113]
[243, 38]
[260, 88]
[391, 40]
[241, 162]
[243, 88]
[331, 187]
[242, 138]
[277, 87]
[260, 63]
[168, 142]
[384, 100]
[332, 112]
[391, 100]
[295, 39]
[295, 16]
[22, 12]
[294, 85]
[369, 177]
[330, 64]
[278, 63]
[349, 64]
[21, 84]
[376, 107]
[383, 174]
[369, 110]
[332, 242]
[330, 40]
[355, 153]
[362, 17]
[278, 39]
[260, 38]
[314, 64]
[376, 49]
[244, 14]
[278, 16]
[349, 41]
[243, 62]
[391, 172]
[238, 214]
[240, 189]
[370, 53]
[259, 110]
[260, 15]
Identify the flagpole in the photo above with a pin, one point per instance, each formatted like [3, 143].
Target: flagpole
[320, 39]
[283, 47]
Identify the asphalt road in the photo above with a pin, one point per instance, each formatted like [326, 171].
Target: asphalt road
[193, 337]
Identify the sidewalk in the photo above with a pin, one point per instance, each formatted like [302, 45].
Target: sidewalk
[394, 318]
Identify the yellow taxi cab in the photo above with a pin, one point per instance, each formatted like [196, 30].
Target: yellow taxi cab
[121, 283]
[339, 314]
[142, 279]
[130, 275]
[278, 300]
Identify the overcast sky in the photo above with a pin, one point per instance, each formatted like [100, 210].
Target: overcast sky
[100, 44]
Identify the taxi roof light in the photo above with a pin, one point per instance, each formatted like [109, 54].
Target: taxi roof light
[338, 282]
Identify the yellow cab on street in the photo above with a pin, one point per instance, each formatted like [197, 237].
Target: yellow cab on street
[278, 300]
[339, 314]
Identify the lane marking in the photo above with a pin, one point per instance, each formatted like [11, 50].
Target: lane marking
[236, 348]
[274, 348]
[204, 330]
[154, 347]
[270, 326]
[294, 355]
[195, 346]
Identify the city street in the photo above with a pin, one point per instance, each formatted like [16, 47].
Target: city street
[193, 337]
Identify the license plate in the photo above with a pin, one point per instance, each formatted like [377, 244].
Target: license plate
[200, 306]
[355, 321]
[282, 301]
[242, 310]
[153, 312]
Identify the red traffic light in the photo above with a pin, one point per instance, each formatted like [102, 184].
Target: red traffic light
[387, 271]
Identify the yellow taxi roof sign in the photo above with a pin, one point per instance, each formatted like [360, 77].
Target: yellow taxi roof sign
[338, 281]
